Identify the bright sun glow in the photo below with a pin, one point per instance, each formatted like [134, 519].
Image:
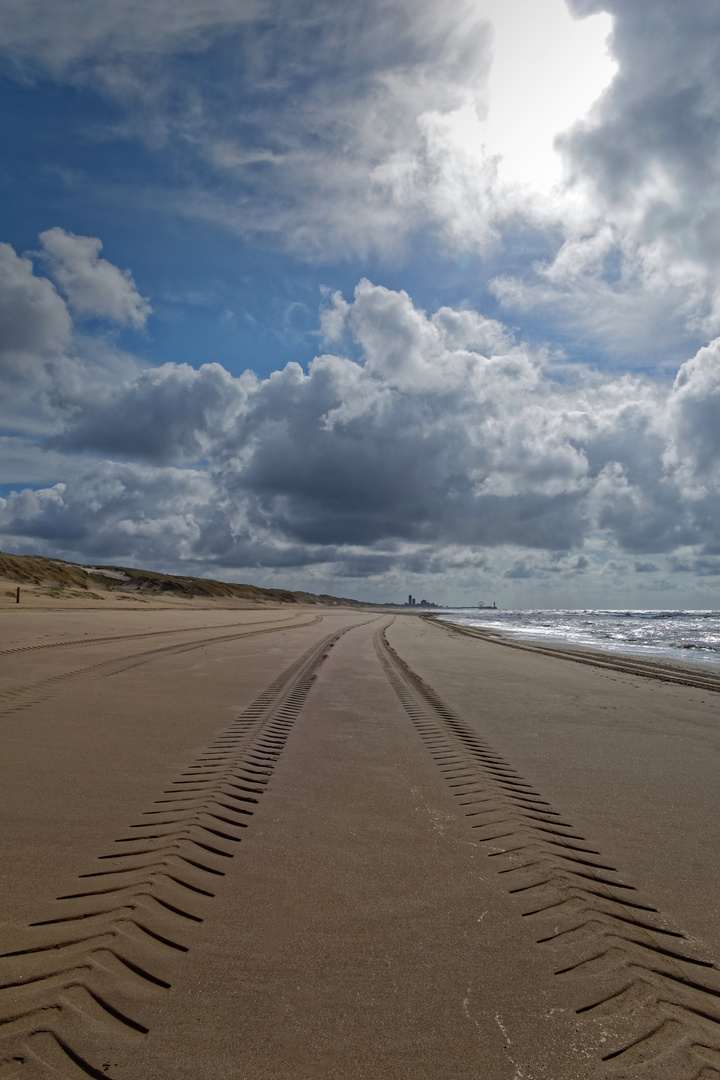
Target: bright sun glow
[547, 71]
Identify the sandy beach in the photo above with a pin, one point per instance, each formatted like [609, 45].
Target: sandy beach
[268, 843]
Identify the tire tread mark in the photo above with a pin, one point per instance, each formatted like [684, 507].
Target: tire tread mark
[133, 932]
[133, 637]
[21, 697]
[661, 1011]
[663, 671]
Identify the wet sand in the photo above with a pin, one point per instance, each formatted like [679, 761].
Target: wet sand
[276, 843]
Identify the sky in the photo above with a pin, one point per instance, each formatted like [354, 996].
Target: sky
[366, 299]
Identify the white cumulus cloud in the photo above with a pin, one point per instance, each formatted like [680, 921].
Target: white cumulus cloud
[92, 286]
[34, 320]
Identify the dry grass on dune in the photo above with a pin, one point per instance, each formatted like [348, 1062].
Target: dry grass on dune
[58, 579]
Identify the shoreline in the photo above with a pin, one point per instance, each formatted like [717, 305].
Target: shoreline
[583, 653]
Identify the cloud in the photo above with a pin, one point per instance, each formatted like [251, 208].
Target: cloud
[47, 365]
[651, 145]
[336, 135]
[64, 37]
[333, 135]
[444, 432]
[30, 461]
[302, 113]
[417, 442]
[167, 414]
[520, 569]
[612, 294]
[442, 440]
[641, 247]
[92, 286]
[34, 321]
[695, 410]
[111, 509]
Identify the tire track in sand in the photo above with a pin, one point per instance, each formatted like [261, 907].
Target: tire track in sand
[657, 1003]
[131, 637]
[73, 986]
[22, 697]
[661, 670]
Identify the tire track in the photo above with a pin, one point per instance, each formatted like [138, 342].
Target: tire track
[22, 697]
[662, 671]
[77, 981]
[656, 1002]
[129, 637]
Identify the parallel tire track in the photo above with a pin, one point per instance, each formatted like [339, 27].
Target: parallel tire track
[662, 671]
[657, 1000]
[77, 980]
[126, 637]
[21, 697]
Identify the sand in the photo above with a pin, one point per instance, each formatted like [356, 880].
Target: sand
[299, 842]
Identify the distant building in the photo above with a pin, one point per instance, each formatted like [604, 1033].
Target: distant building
[412, 601]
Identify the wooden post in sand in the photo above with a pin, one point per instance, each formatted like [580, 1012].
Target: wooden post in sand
[17, 598]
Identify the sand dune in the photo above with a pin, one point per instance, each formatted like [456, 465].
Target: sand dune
[338, 843]
[40, 582]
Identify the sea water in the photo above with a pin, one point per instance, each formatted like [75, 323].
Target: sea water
[673, 635]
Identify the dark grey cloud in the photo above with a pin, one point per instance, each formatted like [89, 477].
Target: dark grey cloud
[168, 414]
[647, 155]
[703, 566]
[637, 272]
[661, 112]
[695, 451]
[109, 509]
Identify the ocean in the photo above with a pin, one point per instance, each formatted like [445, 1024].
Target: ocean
[673, 635]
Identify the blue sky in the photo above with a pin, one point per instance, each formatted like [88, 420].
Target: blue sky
[365, 300]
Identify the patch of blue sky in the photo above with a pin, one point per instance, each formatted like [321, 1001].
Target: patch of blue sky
[15, 488]
[216, 297]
